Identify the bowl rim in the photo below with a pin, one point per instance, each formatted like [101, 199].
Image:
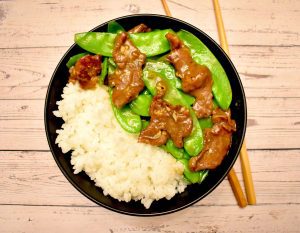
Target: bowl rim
[244, 123]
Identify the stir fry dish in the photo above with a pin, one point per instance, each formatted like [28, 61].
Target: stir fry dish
[166, 87]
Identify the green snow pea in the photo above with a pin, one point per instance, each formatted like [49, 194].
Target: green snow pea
[111, 66]
[205, 123]
[150, 43]
[167, 71]
[104, 70]
[96, 42]
[146, 92]
[193, 144]
[193, 177]
[177, 153]
[141, 104]
[145, 124]
[108, 64]
[74, 59]
[114, 27]
[201, 54]
[128, 120]
[188, 98]
[215, 104]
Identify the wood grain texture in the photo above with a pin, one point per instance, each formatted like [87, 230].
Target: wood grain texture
[199, 220]
[47, 185]
[272, 24]
[61, 13]
[264, 44]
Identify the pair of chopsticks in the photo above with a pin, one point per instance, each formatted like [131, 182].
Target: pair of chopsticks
[232, 177]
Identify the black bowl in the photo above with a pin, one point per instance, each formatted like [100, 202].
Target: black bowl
[193, 193]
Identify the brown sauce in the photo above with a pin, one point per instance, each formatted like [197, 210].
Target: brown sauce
[167, 121]
[127, 79]
[86, 71]
[196, 78]
[140, 28]
[217, 141]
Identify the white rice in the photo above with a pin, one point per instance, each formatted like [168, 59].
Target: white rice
[113, 159]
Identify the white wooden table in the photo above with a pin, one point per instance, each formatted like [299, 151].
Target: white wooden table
[265, 48]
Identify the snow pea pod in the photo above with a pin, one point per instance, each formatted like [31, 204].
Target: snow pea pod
[205, 123]
[193, 177]
[168, 72]
[193, 144]
[141, 104]
[188, 98]
[201, 54]
[114, 27]
[149, 43]
[183, 157]
[127, 119]
[215, 104]
[74, 59]
[96, 42]
[104, 70]
[111, 66]
[145, 124]
[177, 153]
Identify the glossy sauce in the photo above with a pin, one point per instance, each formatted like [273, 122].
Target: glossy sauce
[86, 71]
[167, 121]
[140, 28]
[127, 79]
[196, 78]
[217, 141]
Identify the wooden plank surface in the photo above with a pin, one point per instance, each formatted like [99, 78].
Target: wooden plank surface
[196, 219]
[264, 23]
[264, 44]
[19, 184]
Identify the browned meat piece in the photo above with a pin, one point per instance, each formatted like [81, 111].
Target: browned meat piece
[203, 104]
[154, 136]
[217, 142]
[166, 121]
[196, 78]
[86, 71]
[127, 78]
[140, 28]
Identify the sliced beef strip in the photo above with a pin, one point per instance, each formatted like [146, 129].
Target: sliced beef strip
[217, 141]
[167, 121]
[140, 28]
[196, 78]
[127, 79]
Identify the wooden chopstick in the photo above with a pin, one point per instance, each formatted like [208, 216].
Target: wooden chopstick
[236, 188]
[248, 181]
[166, 8]
[233, 180]
[246, 170]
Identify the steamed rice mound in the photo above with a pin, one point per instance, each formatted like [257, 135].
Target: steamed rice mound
[113, 159]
